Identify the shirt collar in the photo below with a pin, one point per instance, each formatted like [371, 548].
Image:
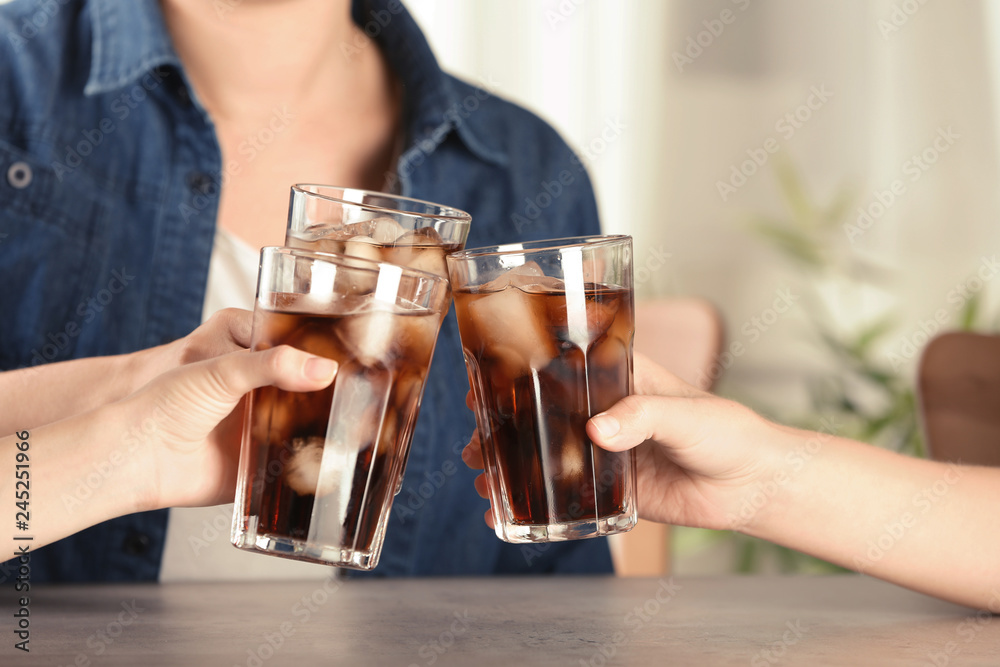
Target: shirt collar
[130, 39]
[434, 107]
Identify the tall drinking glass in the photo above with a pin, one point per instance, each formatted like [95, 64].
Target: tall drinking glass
[319, 470]
[375, 225]
[547, 330]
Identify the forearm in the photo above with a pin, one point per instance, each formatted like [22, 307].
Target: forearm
[929, 526]
[44, 394]
[70, 475]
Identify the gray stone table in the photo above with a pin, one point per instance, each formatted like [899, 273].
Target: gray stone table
[756, 621]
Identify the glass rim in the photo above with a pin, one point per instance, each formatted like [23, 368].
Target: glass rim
[448, 213]
[532, 247]
[363, 263]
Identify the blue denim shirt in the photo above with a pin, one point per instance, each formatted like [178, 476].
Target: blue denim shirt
[110, 173]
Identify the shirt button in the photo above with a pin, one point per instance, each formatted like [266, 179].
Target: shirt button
[200, 182]
[19, 175]
[136, 544]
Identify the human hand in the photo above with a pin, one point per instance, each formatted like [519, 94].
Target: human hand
[189, 454]
[109, 379]
[227, 330]
[697, 455]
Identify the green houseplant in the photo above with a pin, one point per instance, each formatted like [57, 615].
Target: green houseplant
[867, 394]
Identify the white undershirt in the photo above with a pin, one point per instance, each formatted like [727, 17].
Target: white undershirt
[197, 544]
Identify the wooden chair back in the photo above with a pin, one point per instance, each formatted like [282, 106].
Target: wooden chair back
[959, 394]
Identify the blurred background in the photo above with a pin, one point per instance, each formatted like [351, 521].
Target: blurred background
[836, 159]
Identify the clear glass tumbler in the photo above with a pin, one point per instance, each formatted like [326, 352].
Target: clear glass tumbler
[318, 470]
[375, 225]
[547, 331]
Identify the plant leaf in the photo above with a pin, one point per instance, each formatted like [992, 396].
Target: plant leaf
[837, 210]
[791, 187]
[970, 312]
[867, 337]
[791, 242]
[748, 557]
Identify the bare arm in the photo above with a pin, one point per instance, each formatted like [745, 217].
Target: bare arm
[44, 394]
[173, 443]
[929, 526]
[707, 462]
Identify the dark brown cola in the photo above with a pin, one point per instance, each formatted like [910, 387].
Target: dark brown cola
[542, 362]
[329, 480]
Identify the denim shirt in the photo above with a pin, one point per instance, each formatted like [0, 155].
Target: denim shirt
[110, 174]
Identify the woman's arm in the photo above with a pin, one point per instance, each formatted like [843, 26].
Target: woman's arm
[707, 462]
[173, 443]
[926, 525]
[43, 394]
